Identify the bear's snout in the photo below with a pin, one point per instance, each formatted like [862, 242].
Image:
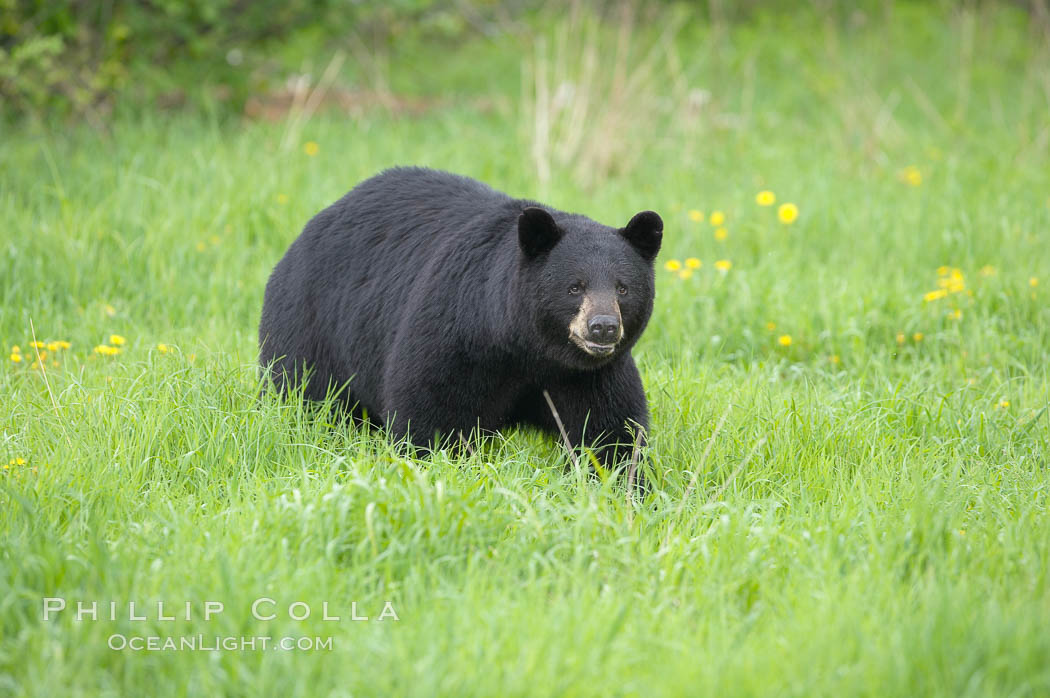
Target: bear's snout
[604, 329]
[597, 327]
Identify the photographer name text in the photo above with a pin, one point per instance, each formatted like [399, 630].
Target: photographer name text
[263, 608]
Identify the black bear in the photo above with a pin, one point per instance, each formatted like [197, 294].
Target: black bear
[441, 307]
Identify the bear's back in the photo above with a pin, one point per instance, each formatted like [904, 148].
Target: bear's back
[347, 282]
[398, 220]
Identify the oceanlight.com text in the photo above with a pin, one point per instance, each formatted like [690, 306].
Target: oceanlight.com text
[216, 643]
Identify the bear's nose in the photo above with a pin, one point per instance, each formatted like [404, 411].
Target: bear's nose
[604, 329]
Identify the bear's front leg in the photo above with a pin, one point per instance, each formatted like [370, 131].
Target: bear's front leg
[441, 401]
[414, 424]
[427, 416]
[605, 411]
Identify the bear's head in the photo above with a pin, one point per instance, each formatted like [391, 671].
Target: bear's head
[589, 288]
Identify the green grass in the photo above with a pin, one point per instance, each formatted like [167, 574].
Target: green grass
[846, 515]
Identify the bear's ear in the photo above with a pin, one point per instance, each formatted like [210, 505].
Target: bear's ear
[645, 232]
[537, 231]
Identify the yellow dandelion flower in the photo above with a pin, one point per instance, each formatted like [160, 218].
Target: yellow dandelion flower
[15, 349]
[16, 357]
[116, 340]
[41, 356]
[943, 270]
[717, 218]
[106, 350]
[109, 310]
[18, 461]
[311, 148]
[201, 246]
[696, 216]
[911, 176]
[900, 338]
[685, 273]
[784, 340]
[787, 213]
[918, 336]
[693, 263]
[954, 282]
[723, 265]
[721, 234]
[63, 344]
[771, 326]
[282, 199]
[834, 358]
[935, 295]
[163, 348]
[955, 314]
[1003, 404]
[765, 198]
[1033, 282]
[672, 265]
[38, 345]
[214, 239]
[987, 270]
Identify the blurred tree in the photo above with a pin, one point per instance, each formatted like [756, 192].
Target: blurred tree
[74, 55]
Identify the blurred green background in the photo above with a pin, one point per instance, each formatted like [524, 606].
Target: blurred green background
[85, 57]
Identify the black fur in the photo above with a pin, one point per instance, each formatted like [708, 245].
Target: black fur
[441, 306]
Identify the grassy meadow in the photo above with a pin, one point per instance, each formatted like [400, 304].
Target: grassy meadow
[850, 442]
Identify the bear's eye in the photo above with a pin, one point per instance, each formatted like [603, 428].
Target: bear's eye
[621, 289]
[574, 289]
